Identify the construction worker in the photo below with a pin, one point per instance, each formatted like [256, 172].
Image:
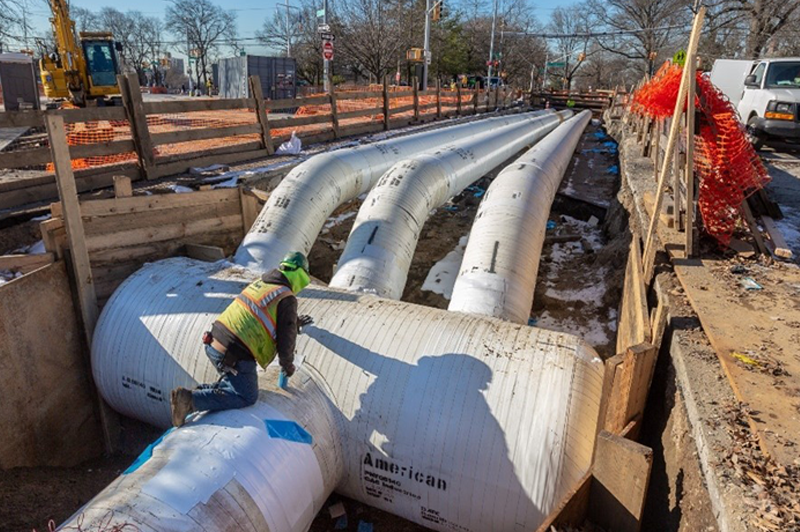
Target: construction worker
[261, 321]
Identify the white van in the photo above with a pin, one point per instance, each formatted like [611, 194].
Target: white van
[767, 97]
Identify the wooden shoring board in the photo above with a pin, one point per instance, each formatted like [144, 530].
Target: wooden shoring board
[760, 324]
[634, 320]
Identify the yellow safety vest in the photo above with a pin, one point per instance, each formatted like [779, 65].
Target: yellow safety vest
[251, 318]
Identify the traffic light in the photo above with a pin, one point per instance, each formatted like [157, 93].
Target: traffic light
[438, 11]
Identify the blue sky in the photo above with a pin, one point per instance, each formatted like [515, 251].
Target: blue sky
[250, 13]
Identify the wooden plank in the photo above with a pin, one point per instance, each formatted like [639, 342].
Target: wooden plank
[416, 99]
[631, 384]
[204, 252]
[402, 94]
[36, 118]
[122, 187]
[387, 113]
[26, 263]
[403, 109]
[86, 180]
[250, 207]
[780, 247]
[105, 225]
[41, 156]
[132, 100]
[621, 475]
[572, 509]
[438, 98]
[290, 103]
[649, 243]
[751, 223]
[358, 95]
[163, 233]
[334, 110]
[689, 168]
[171, 137]
[68, 193]
[633, 327]
[261, 114]
[25, 158]
[361, 112]
[224, 155]
[190, 106]
[149, 204]
[299, 121]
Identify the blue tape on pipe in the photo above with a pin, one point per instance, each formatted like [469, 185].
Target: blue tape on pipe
[287, 430]
[146, 454]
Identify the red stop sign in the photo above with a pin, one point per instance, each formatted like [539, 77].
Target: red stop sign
[327, 50]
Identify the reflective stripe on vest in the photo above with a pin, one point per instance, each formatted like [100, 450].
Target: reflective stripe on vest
[251, 318]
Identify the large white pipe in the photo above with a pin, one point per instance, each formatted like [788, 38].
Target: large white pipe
[297, 209]
[453, 421]
[498, 273]
[381, 245]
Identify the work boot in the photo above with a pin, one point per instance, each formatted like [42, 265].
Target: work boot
[181, 404]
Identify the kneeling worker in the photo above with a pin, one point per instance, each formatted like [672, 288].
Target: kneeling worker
[260, 321]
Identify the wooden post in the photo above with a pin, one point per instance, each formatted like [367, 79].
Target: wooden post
[689, 225]
[630, 387]
[677, 185]
[649, 246]
[68, 194]
[261, 113]
[438, 98]
[458, 99]
[475, 100]
[489, 99]
[334, 110]
[387, 111]
[497, 95]
[122, 186]
[621, 474]
[416, 99]
[134, 108]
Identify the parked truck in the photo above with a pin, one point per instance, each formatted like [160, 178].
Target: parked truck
[766, 93]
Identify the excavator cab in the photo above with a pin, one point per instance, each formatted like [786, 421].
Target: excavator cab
[102, 65]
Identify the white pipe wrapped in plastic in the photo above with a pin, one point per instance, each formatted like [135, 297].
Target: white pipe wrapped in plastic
[381, 245]
[498, 273]
[453, 421]
[297, 209]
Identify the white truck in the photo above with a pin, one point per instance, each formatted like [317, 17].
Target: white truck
[766, 93]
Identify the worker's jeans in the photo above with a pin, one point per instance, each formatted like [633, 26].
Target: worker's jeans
[230, 391]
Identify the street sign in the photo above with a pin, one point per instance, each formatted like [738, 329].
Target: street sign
[327, 50]
[324, 28]
[321, 13]
[558, 64]
[327, 36]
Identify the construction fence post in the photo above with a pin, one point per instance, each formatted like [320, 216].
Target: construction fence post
[387, 111]
[475, 100]
[438, 98]
[416, 99]
[689, 169]
[334, 110]
[134, 109]
[79, 252]
[458, 99]
[261, 113]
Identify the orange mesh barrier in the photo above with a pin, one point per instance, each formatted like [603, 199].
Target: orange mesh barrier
[727, 166]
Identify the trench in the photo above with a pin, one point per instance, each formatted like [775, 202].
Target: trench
[579, 288]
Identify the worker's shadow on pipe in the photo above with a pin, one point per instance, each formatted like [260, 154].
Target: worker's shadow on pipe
[432, 417]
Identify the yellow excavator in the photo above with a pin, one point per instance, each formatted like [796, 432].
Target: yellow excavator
[82, 70]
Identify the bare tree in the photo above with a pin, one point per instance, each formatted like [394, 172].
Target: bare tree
[374, 34]
[645, 19]
[762, 19]
[282, 32]
[571, 25]
[205, 27]
[11, 20]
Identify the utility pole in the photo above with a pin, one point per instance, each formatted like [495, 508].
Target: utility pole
[288, 32]
[325, 62]
[491, 46]
[426, 53]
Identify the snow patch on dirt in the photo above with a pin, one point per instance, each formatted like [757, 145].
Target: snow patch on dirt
[442, 276]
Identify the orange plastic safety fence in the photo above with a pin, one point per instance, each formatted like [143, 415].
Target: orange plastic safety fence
[727, 166]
